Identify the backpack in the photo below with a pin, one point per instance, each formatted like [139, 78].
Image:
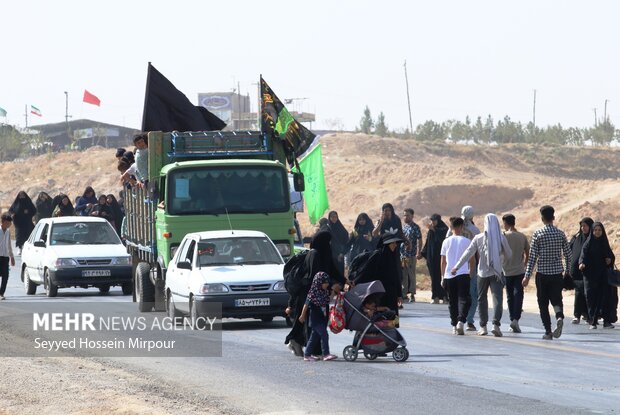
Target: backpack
[358, 264]
[294, 272]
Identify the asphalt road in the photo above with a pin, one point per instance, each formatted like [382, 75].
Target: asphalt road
[516, 374]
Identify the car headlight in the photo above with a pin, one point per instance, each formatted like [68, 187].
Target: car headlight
[279, 286]
[284, 249]
[122, 261]
[213, 289]
[65, 263]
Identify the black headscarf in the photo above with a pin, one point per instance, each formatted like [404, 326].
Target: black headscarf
[117, 213]
[320, 257]
[65, 210]
[22, 205]
[594, 252]
[340, 236]
[363, 229]
[44, 206]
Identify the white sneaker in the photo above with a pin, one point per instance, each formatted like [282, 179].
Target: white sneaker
[483, 331]
[558, 328]
[460, 328]
[496, 331]
[454, 330]
[434, 301]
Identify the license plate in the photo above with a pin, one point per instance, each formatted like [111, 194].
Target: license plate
[251, 302]
[96, 273]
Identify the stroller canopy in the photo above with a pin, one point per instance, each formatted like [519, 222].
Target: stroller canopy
[358, 294]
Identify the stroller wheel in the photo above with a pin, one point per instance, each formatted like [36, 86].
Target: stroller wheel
[370, 356]
[349, 353]
[400, 354]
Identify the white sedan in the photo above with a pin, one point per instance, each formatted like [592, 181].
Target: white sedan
[242, 270]
[75, 251]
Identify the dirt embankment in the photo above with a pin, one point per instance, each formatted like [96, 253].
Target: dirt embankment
[363, 172]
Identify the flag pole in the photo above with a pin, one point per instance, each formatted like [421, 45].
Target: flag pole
[146, 96]
[408, 100]
[26, 114]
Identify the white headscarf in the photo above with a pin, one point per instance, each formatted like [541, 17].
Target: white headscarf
[493, 243]
[467, 213]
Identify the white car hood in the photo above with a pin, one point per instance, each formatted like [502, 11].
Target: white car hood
[240, 273]
[88, 251]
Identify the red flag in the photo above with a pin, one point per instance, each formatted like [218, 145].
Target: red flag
[91, 99]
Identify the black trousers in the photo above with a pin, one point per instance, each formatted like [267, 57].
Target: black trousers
[549, 290]
[596, 288]
[514, 296]
[458, 295]
[434, 269]
[4, 273]
[581, 307]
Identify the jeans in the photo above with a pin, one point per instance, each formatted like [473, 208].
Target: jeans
[318, 323]
[514, 296]
[581, 306]
[497, 291]
[4, 273]
[409, 280]
[549, 290]
[473, 293]
[460, 300]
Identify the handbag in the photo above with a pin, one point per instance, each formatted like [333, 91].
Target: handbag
[337, 316]
[613, 277]
[567, 282]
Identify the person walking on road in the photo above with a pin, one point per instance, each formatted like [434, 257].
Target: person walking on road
[44, 207]
[456, 281]
[22, 210]
[514, 270]
[340, 238]
[490, 246]
[580, 309]
[596, 257]
[409, 251]
[469, 231]
[6, 252]
[547, 248]
[431, 251]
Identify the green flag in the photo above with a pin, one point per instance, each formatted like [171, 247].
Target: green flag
[2, 112]
[315, 192]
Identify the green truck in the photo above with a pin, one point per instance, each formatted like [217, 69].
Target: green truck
[204, 181]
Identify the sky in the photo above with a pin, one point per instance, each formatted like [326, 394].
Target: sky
[463, 57]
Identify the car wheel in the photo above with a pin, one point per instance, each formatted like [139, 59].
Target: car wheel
[267, 319]
[197, 323]
[145, 290]
[29, 286]
[127, 288]
[51, 289]
[170, 307]
[104, 289]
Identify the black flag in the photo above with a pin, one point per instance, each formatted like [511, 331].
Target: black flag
[275, 119]
[168, 109]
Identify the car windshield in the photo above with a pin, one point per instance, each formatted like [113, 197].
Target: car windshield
[217, 190]
[83, 233]
[237, 251]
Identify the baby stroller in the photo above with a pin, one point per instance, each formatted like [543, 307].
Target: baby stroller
[370, 337]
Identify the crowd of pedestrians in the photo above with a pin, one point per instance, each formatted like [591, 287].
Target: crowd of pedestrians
[464, 264]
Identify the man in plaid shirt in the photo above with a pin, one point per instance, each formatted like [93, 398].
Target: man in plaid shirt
[548, 246]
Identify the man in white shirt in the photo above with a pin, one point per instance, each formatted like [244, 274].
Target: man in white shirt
[456, 284]
[6, 252]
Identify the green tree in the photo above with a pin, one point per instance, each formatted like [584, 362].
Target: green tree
[381, 128]
[366, 123]
[430, 131]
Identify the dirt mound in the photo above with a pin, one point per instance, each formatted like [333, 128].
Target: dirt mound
[450, 198]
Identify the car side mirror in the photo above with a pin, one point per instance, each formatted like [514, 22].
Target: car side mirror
[298, 182]
[184, 265]
[40, 243]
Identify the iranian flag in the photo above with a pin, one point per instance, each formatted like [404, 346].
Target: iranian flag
[34, 110]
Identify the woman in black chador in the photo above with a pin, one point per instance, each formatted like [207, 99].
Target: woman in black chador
[23, 211]
[596, 257]
[361, 237]
[340, 237]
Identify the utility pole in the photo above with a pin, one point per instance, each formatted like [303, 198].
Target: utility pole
[534, 110]
[67, 109]
[408, 99]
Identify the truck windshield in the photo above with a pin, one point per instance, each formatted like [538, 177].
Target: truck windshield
[238, 189]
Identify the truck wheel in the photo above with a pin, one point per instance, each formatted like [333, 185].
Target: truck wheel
[145, 291]
[104, 289]
[29, 286]
[127, 288]
[159, 290]
[51, 289]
